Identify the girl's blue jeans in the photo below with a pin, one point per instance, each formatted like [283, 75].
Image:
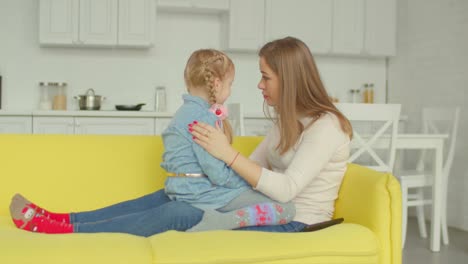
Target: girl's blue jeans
[145, 216]
[152, 214]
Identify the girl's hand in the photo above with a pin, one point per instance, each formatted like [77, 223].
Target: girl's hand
[213, 140]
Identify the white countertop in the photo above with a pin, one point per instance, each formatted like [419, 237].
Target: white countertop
[15, 113]
[113, 113]
[102, 113]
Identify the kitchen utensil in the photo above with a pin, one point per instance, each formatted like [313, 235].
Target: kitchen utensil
[129, 107]
[89, 101]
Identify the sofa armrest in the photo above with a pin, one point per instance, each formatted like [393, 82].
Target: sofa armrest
[373, 199]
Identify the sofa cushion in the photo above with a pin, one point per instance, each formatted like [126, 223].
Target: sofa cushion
[336, 244]
[19, 246]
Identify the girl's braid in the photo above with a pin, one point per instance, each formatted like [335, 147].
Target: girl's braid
[209, 74]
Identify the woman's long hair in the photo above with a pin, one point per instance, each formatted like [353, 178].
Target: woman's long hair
[301, 91]
[201, 70]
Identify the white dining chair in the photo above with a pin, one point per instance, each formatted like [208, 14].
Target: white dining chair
[375, 128]
[436, 120]
[236, 118]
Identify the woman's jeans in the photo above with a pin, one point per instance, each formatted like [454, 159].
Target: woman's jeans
[152, 214]
[287, 228]
[145, 216]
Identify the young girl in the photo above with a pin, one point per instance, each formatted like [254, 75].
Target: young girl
[195, 177]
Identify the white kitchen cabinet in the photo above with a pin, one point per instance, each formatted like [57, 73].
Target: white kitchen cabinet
[53, 125]
[58, 21]
[257, 126]
[114, 125]
[136, 22]
[308, 20]
[15, 125]
[245, 24]
[93, 125]
[364, 27]
[96, 22]
[210, 6]
[348, 27]
[380, 33]
[161, 123]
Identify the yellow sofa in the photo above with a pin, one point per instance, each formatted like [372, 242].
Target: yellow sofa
[75, 173]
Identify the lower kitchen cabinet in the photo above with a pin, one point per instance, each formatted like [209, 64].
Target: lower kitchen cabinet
[94, 125]
[257, 126]
[15, 125]
[114, 126]
[53, 125]
[161, 124]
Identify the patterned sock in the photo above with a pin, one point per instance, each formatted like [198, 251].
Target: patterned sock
[254, 215]
[18, 203]
[28, 219]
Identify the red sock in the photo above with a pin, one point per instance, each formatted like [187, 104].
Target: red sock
[19, 202]
[31, 221]
[54, 216]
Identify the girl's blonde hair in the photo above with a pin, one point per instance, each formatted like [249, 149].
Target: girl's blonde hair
[201, 70]
[301, 91]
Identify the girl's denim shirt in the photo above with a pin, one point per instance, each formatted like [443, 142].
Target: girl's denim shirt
[183, 155]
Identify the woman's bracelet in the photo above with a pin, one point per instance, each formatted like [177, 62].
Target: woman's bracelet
[232, 162]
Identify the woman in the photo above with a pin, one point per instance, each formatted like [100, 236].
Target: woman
[303, 158]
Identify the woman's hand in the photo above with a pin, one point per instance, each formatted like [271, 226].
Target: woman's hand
[213, 140]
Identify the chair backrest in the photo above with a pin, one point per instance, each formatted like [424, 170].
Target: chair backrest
[442, 120]
[236, 118]
[375, 128]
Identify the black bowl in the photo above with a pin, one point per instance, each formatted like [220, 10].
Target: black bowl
[129, 107]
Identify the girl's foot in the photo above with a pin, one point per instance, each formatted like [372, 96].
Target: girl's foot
[27, 219]
[19, 204]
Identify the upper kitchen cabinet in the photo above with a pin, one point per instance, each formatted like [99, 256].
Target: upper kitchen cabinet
[348, 27]
[96, 22]
[210, 6]
[245, 25]
[58, 21]
[136, 20]
[308, 20]
[364, 27]
[380, 33]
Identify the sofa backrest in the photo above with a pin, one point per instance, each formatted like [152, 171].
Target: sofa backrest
[74, 172]
[83, 172]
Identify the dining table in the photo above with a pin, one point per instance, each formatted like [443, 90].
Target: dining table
[430, 142]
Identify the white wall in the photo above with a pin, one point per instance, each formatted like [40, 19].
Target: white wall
[431, 68]
[129, 76]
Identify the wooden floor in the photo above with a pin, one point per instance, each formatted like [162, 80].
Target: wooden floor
[417, 251]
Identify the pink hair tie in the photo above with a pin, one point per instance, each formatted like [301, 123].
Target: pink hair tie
[219, 110]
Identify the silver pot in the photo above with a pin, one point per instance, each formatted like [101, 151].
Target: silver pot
[89, 101]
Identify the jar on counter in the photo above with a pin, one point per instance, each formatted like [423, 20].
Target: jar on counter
[53, 96]
[368, 93]
[44, 102]
[60, 98]
[160, 99]
[354, 95]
